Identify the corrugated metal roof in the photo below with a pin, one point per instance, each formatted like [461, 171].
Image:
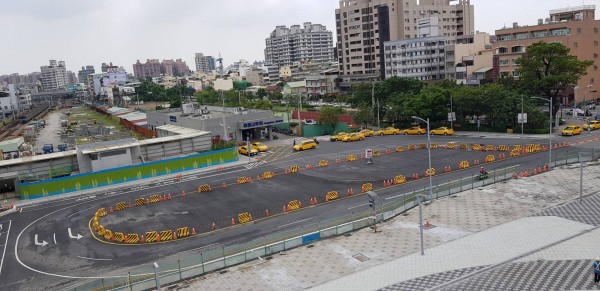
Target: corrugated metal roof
[11, 145]
[178, 129]
[133, 116]
[296, 84]
[483, 70]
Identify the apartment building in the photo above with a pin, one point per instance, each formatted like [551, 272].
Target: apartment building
[204, 63]
[84, 72]
[362, 27]
[470, 60]
[420, 58]
[575, 27]
[312, 42]
[174, 68]
[54, 76]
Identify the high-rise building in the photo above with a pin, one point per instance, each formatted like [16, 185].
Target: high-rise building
[575, 27]
[54, 76]
[362, 26]
[313, 42]
[151, 68]
[204, 63]
[84, 72]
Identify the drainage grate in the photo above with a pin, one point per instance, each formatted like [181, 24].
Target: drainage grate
[361, 257]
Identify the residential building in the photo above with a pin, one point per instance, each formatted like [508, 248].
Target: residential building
[71, 78]
[174, 68]
[54, 76]
[574, 27]
[255, 77]
[152, 68]
[9, 104]
[204, 63]
[470, 60]
[362, 27]
[272, 74]
[312, 42]
[84, 72]
[295, 88]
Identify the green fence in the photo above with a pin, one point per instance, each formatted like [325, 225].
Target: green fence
[125, 174]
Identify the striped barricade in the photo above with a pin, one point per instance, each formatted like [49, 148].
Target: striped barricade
[412, 147]
[151, 236]
[108, 234]
[422, 146]
[376, 153]
[101, 230]
[140, 201]
[503, 148]
[489, 148]
[476, 147]
[132, 238]
[434, 145]
[463, 165]
[294, 205]
[515, 153]
[450, 145]
[366, 187]
[268, 175]
[464, 146]
[399, 149]
[490, 158]
[244, 217]
[205, 188]
[183, 232]
[119, 237]
[154, 199]
[399, 179]
[95, 224]
[517, 147]
[351, 158]
[323, 163]
[331, 195]
[166, 235]
[430, 171]
[294, 169]
[120, 206]
[101, 212]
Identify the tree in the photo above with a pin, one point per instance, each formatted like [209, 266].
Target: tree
[330, 115]
[261, 92]
[207, 96]
[364, 115]
[547, 68]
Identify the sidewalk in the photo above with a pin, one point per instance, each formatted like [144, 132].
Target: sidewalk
[479, 237]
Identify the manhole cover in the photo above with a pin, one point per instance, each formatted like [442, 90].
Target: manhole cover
[361, 257]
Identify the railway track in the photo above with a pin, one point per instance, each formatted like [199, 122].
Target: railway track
[16, 125]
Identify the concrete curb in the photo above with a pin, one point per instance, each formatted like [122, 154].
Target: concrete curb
[7, 212]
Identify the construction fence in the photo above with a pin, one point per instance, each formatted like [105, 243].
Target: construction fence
[85, 181]
[295, 236]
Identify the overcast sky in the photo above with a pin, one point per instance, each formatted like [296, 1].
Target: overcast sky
[84, 32]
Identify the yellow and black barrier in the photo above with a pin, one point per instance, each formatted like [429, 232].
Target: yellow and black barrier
[244, 217]
[294, 205]
[323, 163]
[101, 212]
[515, 153]
[376, 153]
[517, 147]
[294, 169]
[366, 187]
[166, 235]
[450, 145]
[108, 234]
[430, 171]
[140, 201]
[434, 145]
[151, 236]
[412, 147]
[268, 175]
[463, 146]
[183, 232]
[119, 237]
[206, 187]
[490, 158]
[154, 198]
[399, 179]
[503, 148]
[351, 158]
[331, 195]
[476, 147]
[399, 149]
[95, 224]
[489, 148]
[120, 206]
[422, 146]
[101, 230]
[531, 148]
[132, 238]
[463, 165]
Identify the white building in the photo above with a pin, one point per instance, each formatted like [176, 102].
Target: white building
[54, 76]
[421, 58]
[285, 45]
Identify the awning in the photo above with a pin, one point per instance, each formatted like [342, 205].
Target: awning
[484, 70]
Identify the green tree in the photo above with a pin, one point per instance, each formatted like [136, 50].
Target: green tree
[547, 68]
[330, 115]
[261, 92]
[364, 116]
[208, 96]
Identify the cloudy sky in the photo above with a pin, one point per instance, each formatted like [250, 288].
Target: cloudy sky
[121, 31]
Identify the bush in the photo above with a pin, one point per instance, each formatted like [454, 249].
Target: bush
[223, 145]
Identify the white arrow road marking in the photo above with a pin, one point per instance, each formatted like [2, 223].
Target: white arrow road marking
[0, 226]
[54, 238]
[44, 243]
[94, 259]
[72, 236]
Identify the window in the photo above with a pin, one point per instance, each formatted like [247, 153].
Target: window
[595, 43]
[503, 63]
[579, 30]
[575, 44]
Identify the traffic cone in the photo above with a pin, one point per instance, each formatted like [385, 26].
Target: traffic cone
[214, 226]
[284, 208]
[210, 188]
[427, 224]
[232, 221]
[391, 182]
[539, 170]
[158, 237]
[110, 210]
[534, 171]
[183, 193]
[129, 206]
[174, 235]
[426, 174]
[299, 205]
[416, 176]
[266, 212]
[169, 196]
[142, 239]
[147, 200]
[385, 184]
[351, 192]
[224, 185]
[515, 176]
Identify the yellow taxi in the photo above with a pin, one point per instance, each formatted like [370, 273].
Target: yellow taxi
[415, 130]
[442, 131]
[595, 124]
[306, 145]
[243, 150]
[367, 132]
[259, 146]
[388, 131]
[338, 136]
[353, 137]
[571, 130]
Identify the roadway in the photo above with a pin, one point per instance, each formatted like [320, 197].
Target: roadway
[41, 246]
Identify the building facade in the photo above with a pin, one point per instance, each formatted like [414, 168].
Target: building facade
[151, 68]
[312, 42]
[574, 27]
[470, 60]
[204, 63]
[420, 58]
[84, 72]
[54, 76]
[362, 27]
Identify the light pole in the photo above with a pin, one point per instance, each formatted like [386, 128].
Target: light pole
[428, 153]
[522, 115]
[299, 118]
[420, 198]
[156, 277]
[224, 124]
[451, 114]
[549, 129]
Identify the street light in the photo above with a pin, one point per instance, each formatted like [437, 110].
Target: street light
[156, 276]
[550, 128]
[428, 153]
[420, 199]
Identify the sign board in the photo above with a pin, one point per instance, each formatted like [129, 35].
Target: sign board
[452, 116]
[368, 153]
[522, 118]
[172, 118]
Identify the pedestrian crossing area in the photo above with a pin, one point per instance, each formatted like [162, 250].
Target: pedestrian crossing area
[254, 164]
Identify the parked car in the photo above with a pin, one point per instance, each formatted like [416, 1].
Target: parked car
[415, 130]
[353, 137]
[338, 136]
[388, 131]
[306, 145]
[572, 130]
[442, 131]
[259, 146]
[595, 124]
[367, 132]
[243, 150]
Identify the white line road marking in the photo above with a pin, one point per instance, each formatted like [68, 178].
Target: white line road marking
[203, 247]
[54, 238]
[295, 222]
[357, 206]
[393, 197]
[22, 207]
[5, 244]
[72, 236]
[43, 243]
[95, 259]
[79, 212]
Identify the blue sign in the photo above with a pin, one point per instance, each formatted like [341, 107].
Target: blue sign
[261, 123]
[172, 118]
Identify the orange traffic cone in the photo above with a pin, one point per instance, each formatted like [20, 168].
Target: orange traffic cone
[224, 185]
[266, 212]
[194, 229]
[129, 206]
[534, 171]
[416, 176]
[351, 192]
[142, 239]
[183, 193]
[214, 226]
[169, 196]
[158, 237]
[539, 170]
[174, 235]
[232, 221]
[284, 208]
[515, 176]
[427, 224]
[385, 183]
[110, 210]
